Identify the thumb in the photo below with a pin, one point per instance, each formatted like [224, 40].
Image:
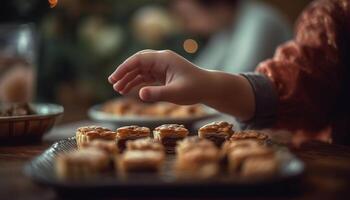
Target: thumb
[157, 93]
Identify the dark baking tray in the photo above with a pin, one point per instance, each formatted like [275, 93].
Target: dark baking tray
[41, 171]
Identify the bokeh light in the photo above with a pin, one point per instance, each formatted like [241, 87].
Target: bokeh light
[190, 46]
[53, 3]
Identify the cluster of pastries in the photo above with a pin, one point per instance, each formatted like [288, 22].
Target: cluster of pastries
[197, 157]
[247, 154]
[132, 149]
[142, 155]
[129, 148]
[83, 163]
[133, 107]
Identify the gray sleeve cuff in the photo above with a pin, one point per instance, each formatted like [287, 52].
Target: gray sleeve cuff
[266, 102]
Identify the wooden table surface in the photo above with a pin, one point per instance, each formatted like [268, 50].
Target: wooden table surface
[327, 175]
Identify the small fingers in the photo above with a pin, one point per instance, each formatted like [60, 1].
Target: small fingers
[137, 81]
[142, 59]
[119, 86]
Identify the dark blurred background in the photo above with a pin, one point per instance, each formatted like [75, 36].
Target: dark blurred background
[80, 42]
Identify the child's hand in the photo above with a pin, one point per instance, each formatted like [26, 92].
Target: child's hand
[176, 77]
[181, 82]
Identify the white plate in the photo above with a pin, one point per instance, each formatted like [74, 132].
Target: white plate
[96, 114]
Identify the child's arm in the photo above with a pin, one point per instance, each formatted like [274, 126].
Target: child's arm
[182, 82]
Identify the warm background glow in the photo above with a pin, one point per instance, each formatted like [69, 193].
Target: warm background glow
[83, 41]
[190, 46]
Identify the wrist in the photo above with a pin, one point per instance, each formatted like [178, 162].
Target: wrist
[205, 86]
[229, 93]
[213, 87]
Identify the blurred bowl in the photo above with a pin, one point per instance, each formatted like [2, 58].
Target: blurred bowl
[96, 113]
[29, 128]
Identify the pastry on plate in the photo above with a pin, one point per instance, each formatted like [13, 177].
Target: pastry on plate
[169, 135]
[133, 132]
[265, 166]
[133, 107]
[248, 134]
[123, 107]
[84, 163]
[160, 109]
[218, 132]
[237, 157]
[88, 133]
[193, 142]
[140, 161]
[144, 144]
[187, 111]
[108, 146]
[198, 163]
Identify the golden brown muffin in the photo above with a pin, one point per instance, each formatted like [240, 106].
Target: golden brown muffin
[193, 142]
[237, 157]
[248, 134]
[169, 135]
[218, 132]
[140, 161]
[198, 163]
[266, 166]
[144, 144]
[88, 133]
[109, 147]
[87, 162]
[133, 132]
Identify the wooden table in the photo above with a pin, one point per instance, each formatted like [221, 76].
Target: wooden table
[327, 175]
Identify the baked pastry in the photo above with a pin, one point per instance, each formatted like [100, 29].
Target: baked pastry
[169, 135]
[131, 107]
[229, 146]
[109, 147]
[197, 171]
[160, 109]
[198, 163]
[199, 155]
[265, 166]
[187, 111]
[133, 132]
[87, 162]
[140, 161]
[218, 132]
[123, 107]
[144, 144]
[248, 134]
[237, 157]
[193, 142]
[88, 133]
